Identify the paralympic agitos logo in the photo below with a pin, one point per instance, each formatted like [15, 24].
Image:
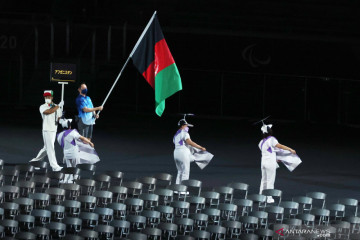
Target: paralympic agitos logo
[248, 54]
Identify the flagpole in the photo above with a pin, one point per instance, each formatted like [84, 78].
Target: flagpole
[142, 34]
[127, 60]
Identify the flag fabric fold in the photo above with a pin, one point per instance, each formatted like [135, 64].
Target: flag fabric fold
[291, 161]
[201, 158]
[154, 61]
[84, 152]
[87, 154]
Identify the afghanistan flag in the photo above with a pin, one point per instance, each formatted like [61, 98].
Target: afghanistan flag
[152, 57]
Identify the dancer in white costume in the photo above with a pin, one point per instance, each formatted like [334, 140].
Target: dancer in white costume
[67, 140]
[268, 159]
[50, 114]
[182, 154]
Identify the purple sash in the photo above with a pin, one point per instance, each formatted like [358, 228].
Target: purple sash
[67, 132]
[269, 149]
[177, 133]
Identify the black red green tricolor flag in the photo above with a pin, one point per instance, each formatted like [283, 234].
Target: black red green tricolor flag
[153, 59]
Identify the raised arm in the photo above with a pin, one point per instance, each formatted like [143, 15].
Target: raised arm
[285, 148]
[188, 141]
[51, 110]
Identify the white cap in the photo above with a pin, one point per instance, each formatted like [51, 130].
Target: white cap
[264, 127]
[64, 122]
[183, 121]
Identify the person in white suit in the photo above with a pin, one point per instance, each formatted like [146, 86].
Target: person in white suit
[267, 146]
[182, 154]
[50, 114]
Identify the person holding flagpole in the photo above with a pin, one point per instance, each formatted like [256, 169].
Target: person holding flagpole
[50, 114]
[87, 115]
[268, 146]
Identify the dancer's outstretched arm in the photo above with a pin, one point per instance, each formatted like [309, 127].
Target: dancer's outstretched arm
[285, 148]
[188, 141]
[86, 141]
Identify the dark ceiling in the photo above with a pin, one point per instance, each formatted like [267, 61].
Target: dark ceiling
[325, 20]
[307, 53]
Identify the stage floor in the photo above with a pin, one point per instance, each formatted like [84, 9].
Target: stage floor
[141, 145]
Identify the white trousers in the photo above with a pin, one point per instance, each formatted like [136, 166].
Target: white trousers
[183, 158]
[70, 162]
[71, 156]
[48, 149]
[268, 174]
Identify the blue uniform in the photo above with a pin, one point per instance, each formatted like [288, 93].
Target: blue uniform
[86, 119]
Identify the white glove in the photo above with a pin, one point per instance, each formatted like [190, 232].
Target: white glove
[61, 104]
